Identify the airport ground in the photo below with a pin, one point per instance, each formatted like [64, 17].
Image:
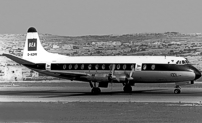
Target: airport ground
[73, 102]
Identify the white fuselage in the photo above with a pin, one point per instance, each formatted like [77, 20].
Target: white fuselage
[162, 68]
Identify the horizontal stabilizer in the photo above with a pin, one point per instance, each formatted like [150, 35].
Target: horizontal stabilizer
[17, 59]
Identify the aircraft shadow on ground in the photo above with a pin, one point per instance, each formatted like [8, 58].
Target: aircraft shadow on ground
[59, 93]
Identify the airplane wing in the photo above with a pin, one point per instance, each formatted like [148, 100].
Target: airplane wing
[67, 73]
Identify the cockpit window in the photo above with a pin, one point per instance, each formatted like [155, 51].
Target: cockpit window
[183, 62]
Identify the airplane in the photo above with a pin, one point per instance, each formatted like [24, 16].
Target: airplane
[99, 71]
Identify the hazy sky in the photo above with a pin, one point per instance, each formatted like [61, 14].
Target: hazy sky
[91, 17]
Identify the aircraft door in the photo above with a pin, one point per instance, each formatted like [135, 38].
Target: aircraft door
[48, 66]
[138, 67]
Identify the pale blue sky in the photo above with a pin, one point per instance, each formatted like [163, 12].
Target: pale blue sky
[92, 17]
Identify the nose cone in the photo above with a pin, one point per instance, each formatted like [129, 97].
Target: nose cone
[197, 74]
[196, 71]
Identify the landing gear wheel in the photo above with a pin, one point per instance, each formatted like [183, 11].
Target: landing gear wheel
[95, 90]
[177, 91]
[127, 89]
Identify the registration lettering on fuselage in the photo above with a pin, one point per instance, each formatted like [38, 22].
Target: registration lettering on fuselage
[31, 54]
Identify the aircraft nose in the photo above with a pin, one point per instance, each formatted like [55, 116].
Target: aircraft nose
[196, 71]
[197, 74]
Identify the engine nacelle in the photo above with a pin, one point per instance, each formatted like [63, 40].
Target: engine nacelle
[109, 78]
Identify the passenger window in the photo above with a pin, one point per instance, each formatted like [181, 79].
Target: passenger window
[76, 66]
[153, 67]
[177, 62]
[144, 67]
[124, 66]
[64, 66]
[103, 66]
[82, 66]
[97, 66]
[118, 66]
[70, 66]
[89, 66]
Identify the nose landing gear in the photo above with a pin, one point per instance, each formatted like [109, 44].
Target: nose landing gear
[128, 86]
[95, 90]
[177, 89]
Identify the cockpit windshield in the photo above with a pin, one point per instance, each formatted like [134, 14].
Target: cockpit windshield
[182, 61]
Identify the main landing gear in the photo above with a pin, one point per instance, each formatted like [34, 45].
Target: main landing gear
[177, 89]
[95, 90]
[127, 88]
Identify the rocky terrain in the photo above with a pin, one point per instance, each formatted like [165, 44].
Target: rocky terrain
[168, 44]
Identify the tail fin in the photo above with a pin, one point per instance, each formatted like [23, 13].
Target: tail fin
[33, 50]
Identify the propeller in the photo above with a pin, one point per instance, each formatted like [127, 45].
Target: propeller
[128, 76]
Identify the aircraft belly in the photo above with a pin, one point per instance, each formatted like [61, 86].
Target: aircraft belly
[137, 76]
[162, 76]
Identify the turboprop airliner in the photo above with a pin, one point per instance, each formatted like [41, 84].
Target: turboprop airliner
[99, 71]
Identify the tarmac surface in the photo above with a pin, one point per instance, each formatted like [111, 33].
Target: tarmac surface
[73, 102]
[81, 92]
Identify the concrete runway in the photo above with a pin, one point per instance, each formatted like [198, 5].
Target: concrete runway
[80, 92]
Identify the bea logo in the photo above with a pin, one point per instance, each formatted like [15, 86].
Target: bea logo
[32, 44]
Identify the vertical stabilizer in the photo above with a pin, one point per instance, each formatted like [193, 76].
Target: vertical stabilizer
[33, 49]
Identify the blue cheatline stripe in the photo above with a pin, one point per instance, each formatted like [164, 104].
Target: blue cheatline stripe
[41, 66]
[108, 66]
[164, 67]
[93, 66]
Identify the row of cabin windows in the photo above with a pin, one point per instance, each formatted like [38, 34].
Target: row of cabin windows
[103, 67]
[145, 67]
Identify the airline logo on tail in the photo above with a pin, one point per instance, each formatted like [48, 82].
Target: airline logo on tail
[32, 44]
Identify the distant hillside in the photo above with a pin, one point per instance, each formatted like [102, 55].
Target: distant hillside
[168, 43]
[174, 36]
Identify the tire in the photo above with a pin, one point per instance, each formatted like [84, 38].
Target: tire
[127, 89]
[95, 90]
[177, 91]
